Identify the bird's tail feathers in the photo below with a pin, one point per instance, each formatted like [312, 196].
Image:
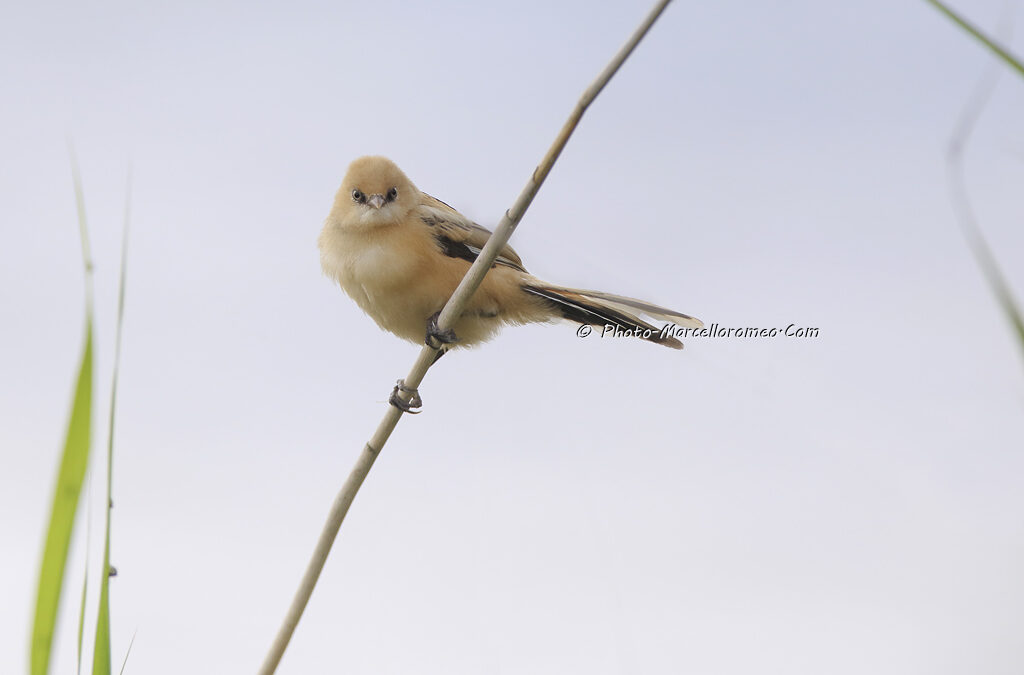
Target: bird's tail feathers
[599, 309]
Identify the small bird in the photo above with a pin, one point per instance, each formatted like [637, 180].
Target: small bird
[400, 253]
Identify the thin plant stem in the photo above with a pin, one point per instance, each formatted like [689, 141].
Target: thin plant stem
[427, 355]
[961, 199]
[101, 650]
[993, 46]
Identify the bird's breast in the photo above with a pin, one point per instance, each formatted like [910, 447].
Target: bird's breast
[378, 269]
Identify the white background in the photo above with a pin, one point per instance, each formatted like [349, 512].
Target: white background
[845, 504]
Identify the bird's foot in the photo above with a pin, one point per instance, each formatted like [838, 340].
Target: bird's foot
[436, 337]
[414, 398]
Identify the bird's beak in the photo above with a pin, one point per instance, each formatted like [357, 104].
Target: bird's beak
[376, 201]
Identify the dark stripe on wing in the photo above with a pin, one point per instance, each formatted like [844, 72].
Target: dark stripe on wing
[455, 249]
[458, 249]
[595, 315]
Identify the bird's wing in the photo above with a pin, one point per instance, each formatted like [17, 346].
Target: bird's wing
[459, 237]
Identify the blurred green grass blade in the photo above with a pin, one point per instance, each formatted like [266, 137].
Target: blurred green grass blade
[998, 283]
[998, 50]
[101, 652]
[73, 463]
[85, 594]
[964, 209]
[70, 475]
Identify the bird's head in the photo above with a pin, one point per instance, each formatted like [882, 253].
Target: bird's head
[374, 192]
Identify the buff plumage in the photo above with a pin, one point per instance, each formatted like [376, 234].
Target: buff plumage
[400, 253]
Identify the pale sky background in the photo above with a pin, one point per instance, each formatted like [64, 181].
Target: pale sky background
[846, 504]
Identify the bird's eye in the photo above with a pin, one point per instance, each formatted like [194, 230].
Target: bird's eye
[358, 197]
[392, 194]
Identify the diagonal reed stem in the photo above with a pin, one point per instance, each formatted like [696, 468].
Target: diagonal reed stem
[992, 45]
[426, 357]
[963, 208]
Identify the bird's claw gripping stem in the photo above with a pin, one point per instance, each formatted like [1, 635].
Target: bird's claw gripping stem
[414, 398]
[436, 337]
